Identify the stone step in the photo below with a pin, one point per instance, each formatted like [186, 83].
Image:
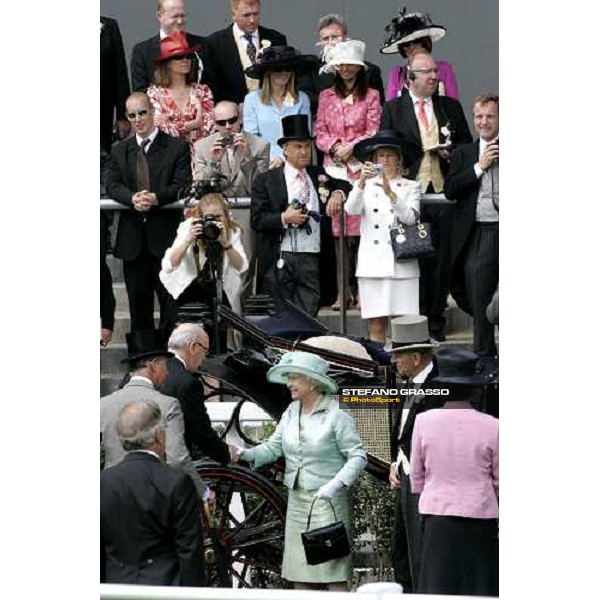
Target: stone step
[116, 268]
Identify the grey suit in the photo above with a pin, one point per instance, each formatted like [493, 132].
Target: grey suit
[178, 455]
[240, 172]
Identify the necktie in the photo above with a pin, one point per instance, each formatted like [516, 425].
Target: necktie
[423, 114]
[304, 191]
[250, 48]
[143, 175]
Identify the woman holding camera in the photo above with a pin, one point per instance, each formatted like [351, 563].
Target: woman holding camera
[382, 196]
[323, 454]
[208, 236]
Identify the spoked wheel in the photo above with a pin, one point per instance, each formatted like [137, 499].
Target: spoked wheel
[244, 543]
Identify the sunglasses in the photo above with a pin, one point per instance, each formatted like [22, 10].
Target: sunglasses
[138, 113]
[183, 57]
[224, 122]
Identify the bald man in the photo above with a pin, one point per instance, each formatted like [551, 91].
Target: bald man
[189, 343]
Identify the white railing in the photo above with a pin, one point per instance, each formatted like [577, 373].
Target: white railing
[245, 202]
[369, 591]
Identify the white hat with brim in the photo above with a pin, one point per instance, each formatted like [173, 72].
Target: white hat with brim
[410, 332]
[308, 365]
[348, 52]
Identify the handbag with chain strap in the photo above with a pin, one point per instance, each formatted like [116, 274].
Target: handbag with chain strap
[411, 241]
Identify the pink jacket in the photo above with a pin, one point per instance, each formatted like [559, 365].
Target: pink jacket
[454, 462]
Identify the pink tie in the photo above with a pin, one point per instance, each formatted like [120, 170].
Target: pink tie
[304, 193]
[423, 114]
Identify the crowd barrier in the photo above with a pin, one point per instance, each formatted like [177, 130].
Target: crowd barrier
[111, 591]
[107, 204]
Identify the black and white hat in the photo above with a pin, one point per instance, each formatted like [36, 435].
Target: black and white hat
[407, 27]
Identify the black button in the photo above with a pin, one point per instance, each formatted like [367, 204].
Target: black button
[375, 210]
[376, 226]
[376, 241]
[391, 210]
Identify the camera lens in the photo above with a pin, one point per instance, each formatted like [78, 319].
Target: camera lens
[211, 231]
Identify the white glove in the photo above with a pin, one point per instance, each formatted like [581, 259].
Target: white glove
[328, 490]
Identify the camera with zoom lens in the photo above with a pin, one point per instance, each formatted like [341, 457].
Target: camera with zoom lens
[227, 140]
[210, 228]
[301, 206]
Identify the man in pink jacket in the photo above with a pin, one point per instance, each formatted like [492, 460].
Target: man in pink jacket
[454, 466]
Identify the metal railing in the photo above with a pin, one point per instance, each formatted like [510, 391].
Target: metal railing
[243, 202]
[112, 591]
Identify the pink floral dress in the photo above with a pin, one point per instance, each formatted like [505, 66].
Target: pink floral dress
[164, 104]
[342, 120]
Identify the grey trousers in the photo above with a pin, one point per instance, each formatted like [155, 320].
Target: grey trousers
[297, 281]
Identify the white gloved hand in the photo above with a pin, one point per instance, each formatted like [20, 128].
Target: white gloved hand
[328, 490]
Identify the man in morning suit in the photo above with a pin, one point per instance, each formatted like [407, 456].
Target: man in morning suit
[147, 171]
[114, 82]
[150, 527]
[189, 344]
[147, 357]
[438, 125]
[171, 18]
[235, 48]
[295, 253]
[416, 365]
[474, 182]
[332, 29]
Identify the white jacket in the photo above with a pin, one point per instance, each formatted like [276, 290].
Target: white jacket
[375, 254]
[177, 280]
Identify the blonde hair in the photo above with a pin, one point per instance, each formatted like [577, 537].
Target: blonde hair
[290, 88]
[218, 199]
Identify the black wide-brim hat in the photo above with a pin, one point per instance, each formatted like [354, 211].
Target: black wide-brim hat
[387, 138]
[295, 127]
[281, 57]
[459, 366]
[408, 28]
[146, 343]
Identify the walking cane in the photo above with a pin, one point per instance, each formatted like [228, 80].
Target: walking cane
[343, 271]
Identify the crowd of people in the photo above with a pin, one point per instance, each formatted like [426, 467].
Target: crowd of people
[315, 142]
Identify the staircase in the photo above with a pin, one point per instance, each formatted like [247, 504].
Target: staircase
[458, 328]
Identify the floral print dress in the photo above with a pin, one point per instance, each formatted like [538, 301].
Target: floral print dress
[200, 97]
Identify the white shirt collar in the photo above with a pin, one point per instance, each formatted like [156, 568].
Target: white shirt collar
[239, 34]
[142, 378]
[416, 99]
[151, 452]
[291, 172]
[151, 137]
[483, 144]
[422, 375]
[179, 359]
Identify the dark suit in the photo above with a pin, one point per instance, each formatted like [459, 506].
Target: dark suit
[232, 82]
[189, 391]
[143, 237]
[107, 297]
[399, 114]
[475, 248]
[144, 55]
[150, 527]
[114, 83]
[406, 539]
[269, 200]
[313, 84]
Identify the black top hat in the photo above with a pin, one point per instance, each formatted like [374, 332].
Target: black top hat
[459, 366]
[387, 138]
[145, 343]
[279, 57]
[407, 28]
[294, 127]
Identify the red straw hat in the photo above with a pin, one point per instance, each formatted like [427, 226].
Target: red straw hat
[174, 45]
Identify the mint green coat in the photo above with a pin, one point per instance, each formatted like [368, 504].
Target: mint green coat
[333, 446]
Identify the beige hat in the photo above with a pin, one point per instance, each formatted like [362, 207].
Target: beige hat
[410, 332]
[349, 52]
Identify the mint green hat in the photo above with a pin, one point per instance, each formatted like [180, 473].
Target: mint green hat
[303, 363]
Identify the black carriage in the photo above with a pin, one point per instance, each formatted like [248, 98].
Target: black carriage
[244, 538]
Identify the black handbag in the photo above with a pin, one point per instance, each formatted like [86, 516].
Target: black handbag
[325, 543]
[411, 241]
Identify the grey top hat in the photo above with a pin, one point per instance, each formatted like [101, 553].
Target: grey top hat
[410, 332]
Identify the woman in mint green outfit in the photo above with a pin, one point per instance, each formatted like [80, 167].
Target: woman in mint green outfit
[323, 456]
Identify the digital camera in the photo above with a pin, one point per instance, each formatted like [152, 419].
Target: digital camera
[210, 228]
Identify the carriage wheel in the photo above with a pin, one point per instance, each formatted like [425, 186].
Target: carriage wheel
[244, 546]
